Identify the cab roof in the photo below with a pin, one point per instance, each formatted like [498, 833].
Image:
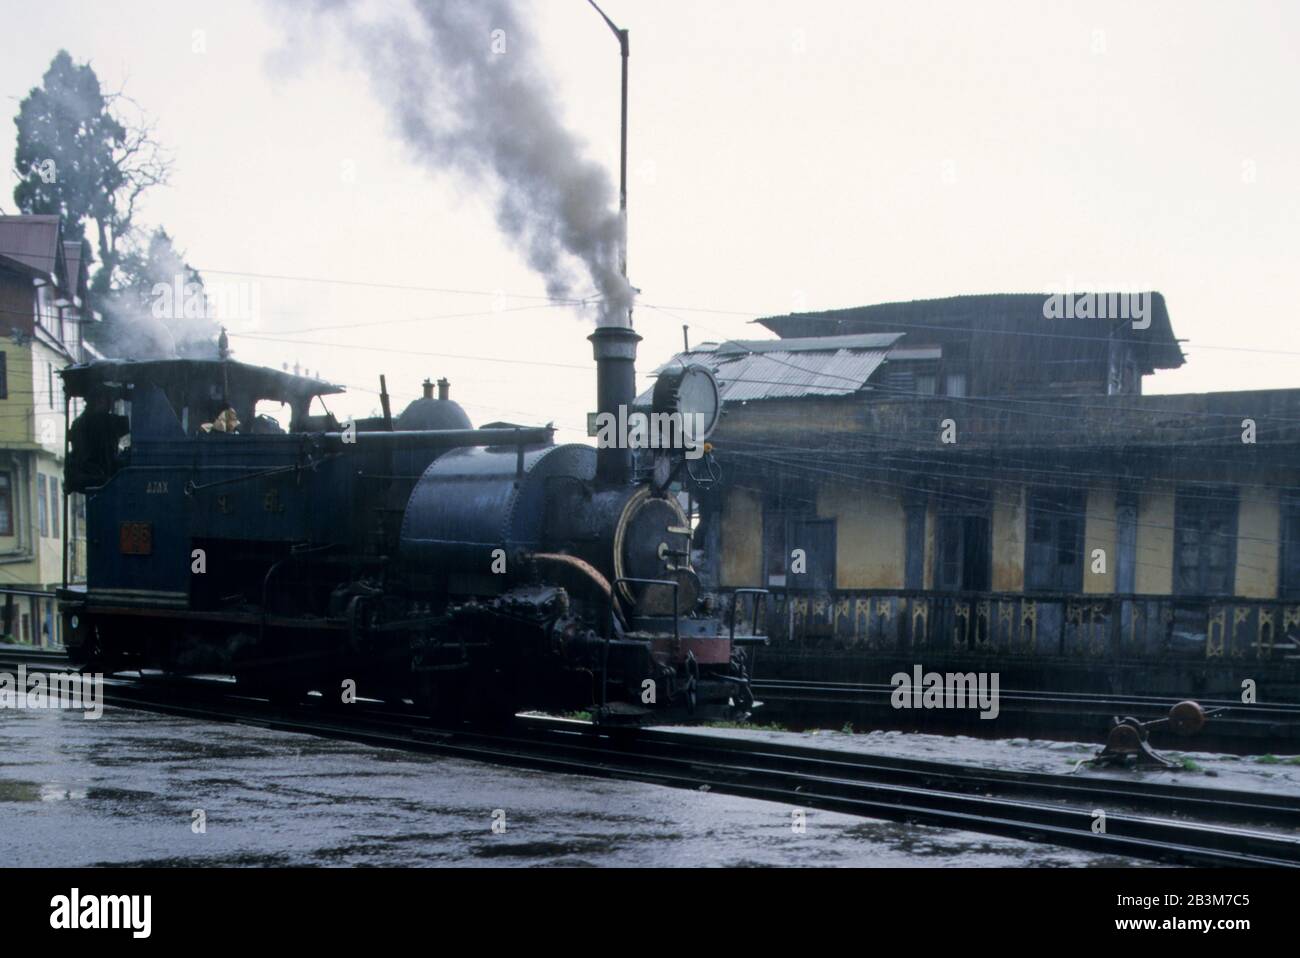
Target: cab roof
[238, 378]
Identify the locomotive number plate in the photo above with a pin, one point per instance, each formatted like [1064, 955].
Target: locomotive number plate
[136, 538]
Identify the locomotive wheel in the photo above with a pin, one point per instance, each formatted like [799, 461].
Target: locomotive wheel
[92, 656]
[443, 701]
[263, 684]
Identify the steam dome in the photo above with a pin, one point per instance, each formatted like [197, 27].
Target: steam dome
[430, 413]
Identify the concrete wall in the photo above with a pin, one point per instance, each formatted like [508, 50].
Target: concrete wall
[870, 536]
[742, 538]
[47, 409]
[1155, 541]
[1259, 523]
[1100, 532]
[1007, 530]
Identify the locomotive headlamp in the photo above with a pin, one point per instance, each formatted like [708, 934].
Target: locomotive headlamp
[691, 390]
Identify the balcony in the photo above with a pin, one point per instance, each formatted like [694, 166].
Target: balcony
[1038, 625]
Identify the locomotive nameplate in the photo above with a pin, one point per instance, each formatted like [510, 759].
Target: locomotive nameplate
[135, 538]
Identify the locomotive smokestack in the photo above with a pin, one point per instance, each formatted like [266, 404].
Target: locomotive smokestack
[444, 388]
[615, 349]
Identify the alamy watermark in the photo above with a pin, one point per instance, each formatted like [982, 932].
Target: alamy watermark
[220, 301]
[1134, 306]
[632, 429]
[75, 911]
[53, 690]
[946, 690]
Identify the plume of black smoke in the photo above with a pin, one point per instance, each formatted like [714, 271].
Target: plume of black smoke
[466, 93]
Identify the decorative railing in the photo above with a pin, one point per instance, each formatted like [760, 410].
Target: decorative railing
[1032, 624]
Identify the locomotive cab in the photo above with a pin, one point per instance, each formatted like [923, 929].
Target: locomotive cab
[191, 492]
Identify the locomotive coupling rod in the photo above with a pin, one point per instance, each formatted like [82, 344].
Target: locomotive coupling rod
[448, 438]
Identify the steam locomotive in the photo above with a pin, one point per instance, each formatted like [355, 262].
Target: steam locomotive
[472, 572]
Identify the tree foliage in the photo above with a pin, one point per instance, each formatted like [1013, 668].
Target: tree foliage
[78, 155]
[75, 156]
[67, 146]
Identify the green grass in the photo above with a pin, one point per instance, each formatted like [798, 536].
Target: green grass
[759, 726]
[1190, 766]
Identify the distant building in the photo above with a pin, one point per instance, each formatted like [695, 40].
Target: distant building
[970, 474]
[43, 312]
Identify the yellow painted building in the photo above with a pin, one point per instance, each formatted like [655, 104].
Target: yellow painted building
[871, 544]
[42, 307]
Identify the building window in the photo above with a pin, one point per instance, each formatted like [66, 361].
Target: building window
[42, 507]
[1205, 541]
[903, 377]
[56, 506]
[783, 533]
[4, 376]
[1054, 540]
[6, 504]
[1289, 577]
[956, 384]
[963, 551]
[775, 557]
[815, 539]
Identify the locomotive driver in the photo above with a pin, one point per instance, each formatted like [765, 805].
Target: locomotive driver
[93, 439]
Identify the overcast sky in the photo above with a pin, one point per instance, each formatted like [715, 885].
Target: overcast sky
[784, 155]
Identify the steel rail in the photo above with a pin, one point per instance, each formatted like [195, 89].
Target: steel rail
[927, 793]
[851, 689]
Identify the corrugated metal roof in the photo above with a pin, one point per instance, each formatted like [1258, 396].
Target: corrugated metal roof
[788, 369]
[818, 344]
[787, 375]
[996, 325]
[32, 240]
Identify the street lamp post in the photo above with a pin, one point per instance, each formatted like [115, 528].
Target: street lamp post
[622, 161]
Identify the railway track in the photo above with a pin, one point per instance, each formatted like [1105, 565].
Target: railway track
[13, 655]
[852, 690]
[1176, 824]
[1255, 723]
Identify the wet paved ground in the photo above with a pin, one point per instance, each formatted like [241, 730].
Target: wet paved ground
[122, 791]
